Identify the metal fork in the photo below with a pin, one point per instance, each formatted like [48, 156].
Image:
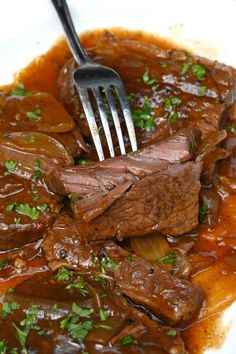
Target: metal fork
[97, 78]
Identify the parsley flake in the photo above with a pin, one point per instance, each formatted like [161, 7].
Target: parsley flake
[199, 71]
[107, 262]
[143, 118]
[202, 90]
[103, 314]
[10, 207]
[184, 68]
[42, 207]
[35, 115]
[203, 211]
[8, 308]
[170, 258]
[3, 263]
[10, 165]
[171, 333]
[25, 209]
[20, 90]
[3, 346]
[128, 340]
[80, 285]
[37, 170]
[231, 128]
[146, 78]
[63, 274]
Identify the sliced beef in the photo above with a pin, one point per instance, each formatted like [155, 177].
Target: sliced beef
[202, 98]
[40, 112]
[136, 195]
[174, 300]
[27, 210]
[101, 324]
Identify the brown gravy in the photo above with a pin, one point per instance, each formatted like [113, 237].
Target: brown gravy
[217, 279]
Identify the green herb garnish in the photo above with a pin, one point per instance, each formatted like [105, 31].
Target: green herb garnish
[16, 220]
[10, 207]
[25, 209]
[202, 90]
[231, 128]
[170, 102]
[3, 263]
[101, 280]
[3, 346]
[37, 170]
[73, 197]
[184, 68]
[32, 138]
[10, 166]
[80, 285]
[63, 274]
[35, 115]
[103, 314]
[107, 262]
[143, 118]
[42, 207]
[82, 116]
[129, 257]
[199, 71]
[171, 333]
[146, 78]
[170, 258]
[8, 308]
[203, 211]
[19, 90]
[128, 340]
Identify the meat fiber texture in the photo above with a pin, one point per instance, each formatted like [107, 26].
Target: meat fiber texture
[155, 189]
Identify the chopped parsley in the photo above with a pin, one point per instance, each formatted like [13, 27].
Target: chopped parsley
[10, 207]
[10, 165]
[129, 257]
[78, 330]
[16, 220]
[231, 128]
[199, 71]
[20, 90]
[146, 78]
[143, 118]
[3, 346]
[42, 207]
[35, 115]
[32, 138]
[103, 314]
[25, 209]
[27, 324]
[63, 274]
[128, 340]
[202, 90]
[80, 285]
[3, 263]
[170, 102]
[82, 116]
[73, 197]
[81, 161]
[184, 68]
[37, 170]
[164, 65]
[101, 280]
[8, 308]
[170, 258]
[203, 211]
[171, 333]
[107, 262]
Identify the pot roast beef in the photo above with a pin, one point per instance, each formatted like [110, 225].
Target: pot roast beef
[61, 319]
[155, 189]
[177, 89]
[174, 300]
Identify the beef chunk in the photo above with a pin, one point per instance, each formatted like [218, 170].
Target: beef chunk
[203, 94]
[136, 195]
[172, 299]
[61, 319]
[27, 210]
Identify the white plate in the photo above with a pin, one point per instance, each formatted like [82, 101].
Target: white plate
[206, 27]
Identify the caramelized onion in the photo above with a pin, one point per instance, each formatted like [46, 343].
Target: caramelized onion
[151, 248]
[26, 147]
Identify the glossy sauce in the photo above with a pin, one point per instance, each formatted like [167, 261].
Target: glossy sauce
[216, 273]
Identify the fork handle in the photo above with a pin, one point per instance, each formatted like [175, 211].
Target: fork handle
[71, 35]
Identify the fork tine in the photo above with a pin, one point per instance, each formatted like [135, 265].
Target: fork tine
[116, 120]
[104, 118]
[127, 115]
[84, 97]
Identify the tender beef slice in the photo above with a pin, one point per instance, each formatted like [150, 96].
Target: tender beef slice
[136, 195]
[105, 175]
[203, 112]
[54, 303]
[174, 300]
[52, 119]
[165, 201]
[17, 229]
